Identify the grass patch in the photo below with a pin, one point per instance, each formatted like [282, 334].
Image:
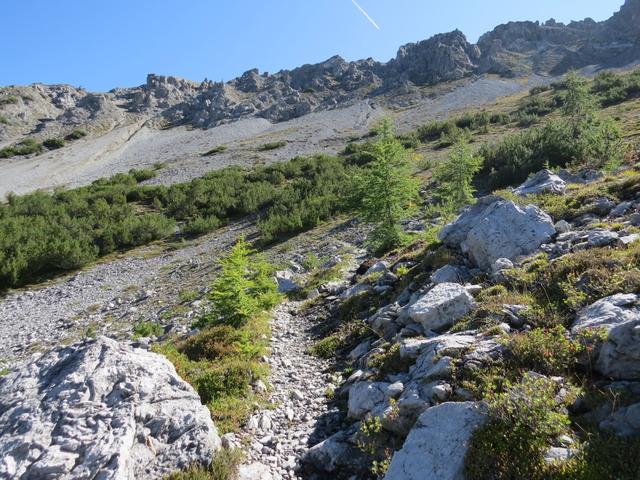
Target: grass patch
[225, 466]
[53, 143]
[272, 146]
[221, 363]
[75, 135]
[147, 329]
[215, 151]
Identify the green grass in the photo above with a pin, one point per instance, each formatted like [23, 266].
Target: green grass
[215, 151]
[272, 145]
[224, 467]
[221, 363]
[147, 329]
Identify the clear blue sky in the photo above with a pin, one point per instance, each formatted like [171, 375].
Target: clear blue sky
[101, 44]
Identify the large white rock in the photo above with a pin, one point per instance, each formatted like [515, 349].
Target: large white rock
[103, 410]
[437, 444]
[545, 181]
[619, 356]
[441, 306]
[496, 228]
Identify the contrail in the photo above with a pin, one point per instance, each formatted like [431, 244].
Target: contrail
[373, 22]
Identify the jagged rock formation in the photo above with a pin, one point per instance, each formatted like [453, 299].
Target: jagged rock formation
[516, 48]
[100, 409]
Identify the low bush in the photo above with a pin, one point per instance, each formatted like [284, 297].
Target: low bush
[215, 151]
[523, 421]
[147, 329]
[143, 174]
[272, 145]
[200, 226]
[53, 143]
[224, 466]
[75, 135]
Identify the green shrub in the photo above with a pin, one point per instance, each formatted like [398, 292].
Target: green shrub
[547, 351]
[523, 421]
[25, 147]
[224, 466]
[8, 100]
[215, 151]
[200, 226]
[272, 145]
[143, 174]
[76, 135]
[53, 143]
[4, 120]
[326, 348]
[147, 329]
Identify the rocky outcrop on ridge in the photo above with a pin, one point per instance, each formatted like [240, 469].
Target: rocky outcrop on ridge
[516, 48]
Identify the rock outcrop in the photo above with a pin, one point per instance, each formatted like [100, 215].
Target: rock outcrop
[512, 49]
[495, 228]
[619, 315]
[99, 409]
[437, 444]
[545, 181]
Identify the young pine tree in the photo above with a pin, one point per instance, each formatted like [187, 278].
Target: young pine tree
[244, 288]
[454, 175]
[386, 189]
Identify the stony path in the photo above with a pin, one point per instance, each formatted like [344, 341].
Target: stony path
[299, 381]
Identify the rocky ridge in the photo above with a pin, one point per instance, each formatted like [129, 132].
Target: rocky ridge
[513, 49]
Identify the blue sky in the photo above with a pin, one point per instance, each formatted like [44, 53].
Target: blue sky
[102, 44]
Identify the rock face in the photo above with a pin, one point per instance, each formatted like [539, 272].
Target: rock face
[495, 228]
[437, 444]
[515, 48]
[99, 409]
[441, 306]
[545, 181]
[619, 315]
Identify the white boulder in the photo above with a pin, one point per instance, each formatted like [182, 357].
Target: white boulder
[437, 444]
[441, 306]
[101, 409]
[619, 315]
[545, 181]
[496, 228]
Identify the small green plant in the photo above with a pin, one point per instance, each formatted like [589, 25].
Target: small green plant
[215, 151]
[142, 174]
[244, 288]
[224, 466]
[4, 120]
[147, 329]
[187, 296]
[311, 262]
[326, 348]
[273, 145]
[523, 421]
[53, 143]
[76, 135]
[200, 226]
[8, 100]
